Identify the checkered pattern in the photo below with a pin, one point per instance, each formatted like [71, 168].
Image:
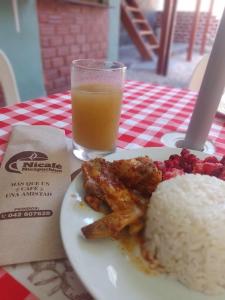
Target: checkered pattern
[148, 112]
[10, 288]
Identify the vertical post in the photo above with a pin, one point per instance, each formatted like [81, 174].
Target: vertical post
[193, 30]
[16, 15]
[170, 37]
[210, 94]
[113, 30]
[207, 23]
[168, 17]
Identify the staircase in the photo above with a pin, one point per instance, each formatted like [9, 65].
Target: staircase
[139, 29]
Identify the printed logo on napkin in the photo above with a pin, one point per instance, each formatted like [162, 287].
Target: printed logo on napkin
[35, 175]
[31, 161]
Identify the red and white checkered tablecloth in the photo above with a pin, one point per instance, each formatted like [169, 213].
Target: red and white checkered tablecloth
[148, 112]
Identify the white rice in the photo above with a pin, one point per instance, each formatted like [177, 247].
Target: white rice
[185, 230]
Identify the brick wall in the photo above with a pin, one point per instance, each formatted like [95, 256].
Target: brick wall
[68, 32]
[184, 24]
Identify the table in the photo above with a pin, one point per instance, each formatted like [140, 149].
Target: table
[148, 112]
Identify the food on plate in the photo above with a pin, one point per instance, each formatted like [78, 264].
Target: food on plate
[112, 224]
[122, 189]
[187, 162]
[185, 230]
[173, 209]
[104, 191]
[139, 173]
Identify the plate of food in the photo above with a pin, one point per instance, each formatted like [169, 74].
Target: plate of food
[148, 224]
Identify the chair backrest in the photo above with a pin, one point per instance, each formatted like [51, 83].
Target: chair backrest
[198, 73]
[8, 80]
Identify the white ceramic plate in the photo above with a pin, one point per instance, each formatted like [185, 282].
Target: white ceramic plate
[105, 270]
[221, 107]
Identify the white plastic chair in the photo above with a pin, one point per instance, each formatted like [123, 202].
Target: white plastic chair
[8, 80]
[198, 74]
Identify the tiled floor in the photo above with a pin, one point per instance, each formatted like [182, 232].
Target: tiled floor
[179, 72]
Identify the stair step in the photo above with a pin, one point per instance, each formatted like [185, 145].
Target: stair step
[145, 32]
[140, 21]
[132, 8]
[152, 47]
[139, 29]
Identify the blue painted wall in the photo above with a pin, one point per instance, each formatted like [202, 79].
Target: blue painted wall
[114, 25]
[23, 49]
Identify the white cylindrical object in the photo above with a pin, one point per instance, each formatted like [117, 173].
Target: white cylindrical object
[210, 94]
[16, 15]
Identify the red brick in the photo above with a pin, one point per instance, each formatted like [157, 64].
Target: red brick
[43, 18]
[54, 19]
[60, 80]
[47, 63]
[47, 29]
[85, 48]
[49, 52]
[103, 46]
[51, 74]
[100, 54]
[49, 87]
[57, 62]
[69, 39]
[79, 20]
[91, 38]
[65, 71]
[74, 28]
[61, 29]
[74, 49]
[61, 84]
[68, 79]
[80, 39]
[45, 42]
[63, 51]
[95, 46]
[70, 58]
[56, 41]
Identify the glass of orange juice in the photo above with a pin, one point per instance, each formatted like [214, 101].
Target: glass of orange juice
[96, 91]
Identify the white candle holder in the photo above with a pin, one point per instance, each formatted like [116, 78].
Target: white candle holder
[176, 139]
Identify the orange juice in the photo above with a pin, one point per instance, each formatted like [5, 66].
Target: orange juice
[95, 115]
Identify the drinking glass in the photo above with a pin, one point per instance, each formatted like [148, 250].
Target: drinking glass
[96, 92]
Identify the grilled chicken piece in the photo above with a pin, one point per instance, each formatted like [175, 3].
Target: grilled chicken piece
[94, 196]
[100, 182]
[111, 224]
[94, 202]
[102, 186]
[138, 173]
